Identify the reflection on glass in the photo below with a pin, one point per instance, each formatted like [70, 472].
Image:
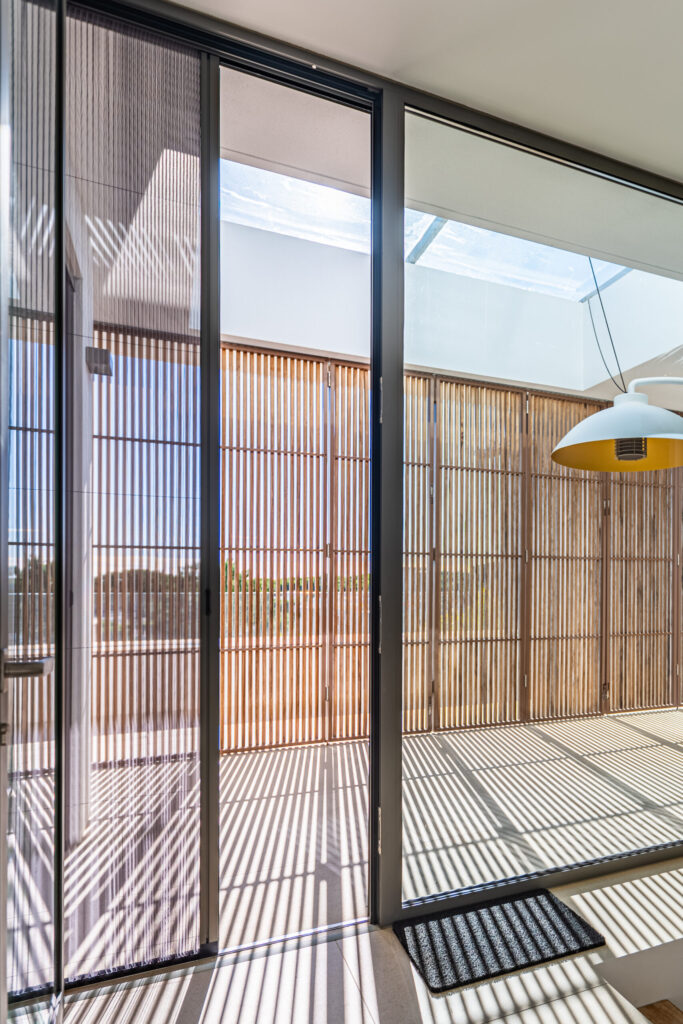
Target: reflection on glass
[536, 599]
[132, 477]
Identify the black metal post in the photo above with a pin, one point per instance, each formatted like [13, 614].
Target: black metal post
[60, 343]
[387, 501]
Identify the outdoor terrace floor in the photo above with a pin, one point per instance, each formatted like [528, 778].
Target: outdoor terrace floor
[478, 805]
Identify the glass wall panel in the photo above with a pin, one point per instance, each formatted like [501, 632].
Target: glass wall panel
[295, 511]
[31, 506]
[132, 464]
[542, 605]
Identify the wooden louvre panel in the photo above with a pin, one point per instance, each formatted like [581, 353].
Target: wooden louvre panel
[350, 554]
[641, 576]
[145, 473]
[418, 583]
[479, 553]
[274, 445]
[564, 564]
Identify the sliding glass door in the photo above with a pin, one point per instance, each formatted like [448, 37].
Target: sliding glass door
[295, 510]
[542, 604]
[118, 813]
[132, 475]
[133, 763]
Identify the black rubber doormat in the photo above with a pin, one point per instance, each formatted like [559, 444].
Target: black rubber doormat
[458, 947]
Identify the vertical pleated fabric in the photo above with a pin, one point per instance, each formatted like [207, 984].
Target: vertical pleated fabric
[31, 505]
[132, 765]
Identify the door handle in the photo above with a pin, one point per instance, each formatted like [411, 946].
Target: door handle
[32, 667]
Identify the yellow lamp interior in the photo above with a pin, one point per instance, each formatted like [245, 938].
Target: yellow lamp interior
[600, 456]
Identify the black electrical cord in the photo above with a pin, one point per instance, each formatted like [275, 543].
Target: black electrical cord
[622, 386]
[597, 342]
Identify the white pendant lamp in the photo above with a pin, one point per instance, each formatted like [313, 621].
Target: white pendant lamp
[632, 436]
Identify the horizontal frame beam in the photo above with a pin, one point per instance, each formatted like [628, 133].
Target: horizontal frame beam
[317, 73]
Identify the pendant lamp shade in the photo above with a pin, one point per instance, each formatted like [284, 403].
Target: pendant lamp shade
[632, 436]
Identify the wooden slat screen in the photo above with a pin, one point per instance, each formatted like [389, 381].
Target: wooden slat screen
[418, 584]
[479, 476]
[350, 554]
[145, 505]
[564, 589]
[480, 491]
[640, 600]
[274, 454]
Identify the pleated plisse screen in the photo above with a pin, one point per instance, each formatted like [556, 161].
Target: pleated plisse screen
[31, 553]
[132, 465]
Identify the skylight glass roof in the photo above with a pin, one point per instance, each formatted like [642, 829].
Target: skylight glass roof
[504, 259]
[291, 206]
[285, 205]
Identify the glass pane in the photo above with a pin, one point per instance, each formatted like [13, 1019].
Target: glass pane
[31, 505]
[132, 762]
[295, 385]
[538, 600]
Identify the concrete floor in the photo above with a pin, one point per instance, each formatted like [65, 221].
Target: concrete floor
[478, 805]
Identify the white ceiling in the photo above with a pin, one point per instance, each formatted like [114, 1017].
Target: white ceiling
[604, 74]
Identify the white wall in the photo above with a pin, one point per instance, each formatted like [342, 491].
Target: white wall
[645, 314]
[294, 293]
[484, 329]
[300, 294]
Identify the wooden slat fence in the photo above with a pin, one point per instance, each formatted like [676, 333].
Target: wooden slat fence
[478, 558]
[564, 545]
[642, 673]
[349, 500]
[418, 543]
[530, 591]
[275, 458]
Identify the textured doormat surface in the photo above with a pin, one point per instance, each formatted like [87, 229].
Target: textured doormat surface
[457, 947]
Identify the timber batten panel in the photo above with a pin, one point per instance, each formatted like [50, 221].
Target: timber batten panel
[274, 448]
[641, 573]
[350, 554]
[418, 554]
[565, 563]
[479, 472]
[513, 567]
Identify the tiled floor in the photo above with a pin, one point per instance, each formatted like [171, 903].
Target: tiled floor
[483, 804]
[362, 976]
[478, 805]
